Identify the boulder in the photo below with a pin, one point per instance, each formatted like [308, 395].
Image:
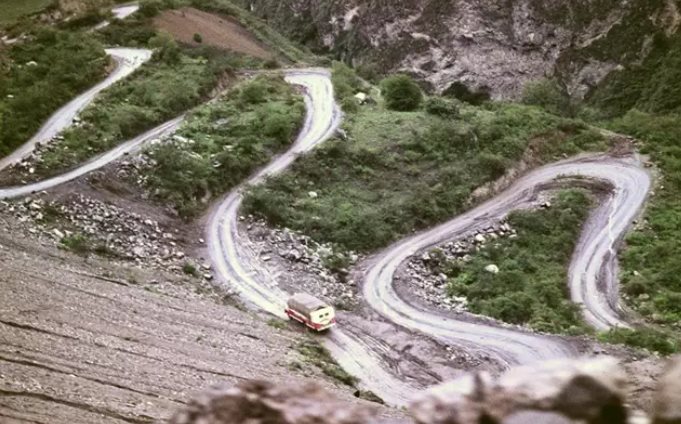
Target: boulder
[260, 402]
[588, 390]
[667, 401]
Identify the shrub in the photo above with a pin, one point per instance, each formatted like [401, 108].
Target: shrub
[190, 269]
[150, 8]
[548, 94]
[442, 107]
[401, 93]
[197, 38]
[460, 91]
[272, 63]
[76, 243]
[345, 82]
[650, 339]
[253, 92]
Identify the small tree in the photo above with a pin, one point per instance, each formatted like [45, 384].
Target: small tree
[401, 93]
[548, 95]
[197, 38]
[442, 107]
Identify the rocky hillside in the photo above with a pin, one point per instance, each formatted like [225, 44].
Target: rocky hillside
[492, 46]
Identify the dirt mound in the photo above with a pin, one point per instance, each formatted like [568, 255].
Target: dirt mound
[218, 31]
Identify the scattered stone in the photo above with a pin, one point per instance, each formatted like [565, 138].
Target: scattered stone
[492, 269]
[313, 194]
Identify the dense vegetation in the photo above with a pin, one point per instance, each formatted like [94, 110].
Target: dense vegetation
[223, 142]
[158, 91]
[39, 76]
[401, 93]
[654, 86]
[15, 9]
[402, 171]
[650, 265]
[530, 287]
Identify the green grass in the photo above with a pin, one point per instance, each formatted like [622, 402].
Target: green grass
[531, 286]
[650, 267]
[15, 9]
[653, 86]
[316, 354]
[404, 171]
[67, 64]
[158, 91]
[230, 138]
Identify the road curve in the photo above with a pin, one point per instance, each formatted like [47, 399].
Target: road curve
[127, 60]
[129, 146]
[239, 267]
[593, 262]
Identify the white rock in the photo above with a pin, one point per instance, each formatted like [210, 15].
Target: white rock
[313, 194]
[492, 269]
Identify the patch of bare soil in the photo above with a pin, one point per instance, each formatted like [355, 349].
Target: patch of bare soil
[88, 339]
[217, 31]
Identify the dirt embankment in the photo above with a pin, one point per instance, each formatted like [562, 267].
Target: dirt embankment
[217, 31]
[87, 340]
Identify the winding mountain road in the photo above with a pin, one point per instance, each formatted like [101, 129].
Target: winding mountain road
[592, 276]
[127, 60]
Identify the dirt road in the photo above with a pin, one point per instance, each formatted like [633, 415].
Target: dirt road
[592, 278]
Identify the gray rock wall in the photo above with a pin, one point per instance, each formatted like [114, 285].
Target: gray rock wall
[493, 45]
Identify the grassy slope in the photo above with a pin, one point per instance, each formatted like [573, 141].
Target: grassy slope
[15, 9]
[155, 93]
[649, 98]
[67, 63]
[230, 138]
[403, 171]
[530, 286]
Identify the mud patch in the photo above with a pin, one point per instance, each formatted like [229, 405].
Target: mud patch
[217, 31]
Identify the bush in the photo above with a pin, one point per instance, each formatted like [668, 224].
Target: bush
[530, 286]
[262, 116]
[272, 63]
[76, 243]
[190, 269]
[67, 64]
[254, 92]
[549, 95]
[460, 91]
[442, 107]
[345, 82]
[197, 38]
[650, 339]
[401, 93]
[151, 8]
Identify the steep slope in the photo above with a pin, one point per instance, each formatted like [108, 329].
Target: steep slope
[493, 46]
[85, 341]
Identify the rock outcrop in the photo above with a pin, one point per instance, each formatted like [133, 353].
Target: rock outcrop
[558, 392]
[257, 402]
[491, 46]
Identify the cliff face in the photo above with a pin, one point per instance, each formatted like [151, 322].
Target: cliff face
[491, 45]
